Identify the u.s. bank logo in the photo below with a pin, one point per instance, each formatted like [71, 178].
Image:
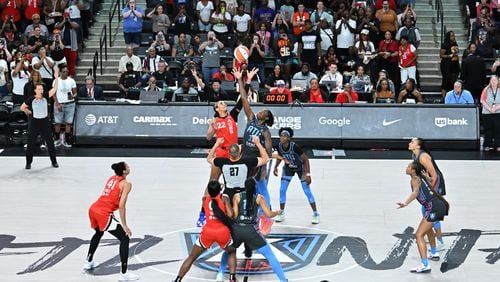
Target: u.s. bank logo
[293, 251]
[442, 122]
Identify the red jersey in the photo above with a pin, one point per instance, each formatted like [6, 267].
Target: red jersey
[342, 98]
[406, 54]
[227, 129]
[12, 8]
[297, 17]
[109, 201]
[212, 221]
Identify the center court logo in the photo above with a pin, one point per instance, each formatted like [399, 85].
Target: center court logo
[442, 122]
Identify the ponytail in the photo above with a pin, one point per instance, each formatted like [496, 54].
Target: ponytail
[250, 191]
[118, 168]
[214, 189]
[419, 169]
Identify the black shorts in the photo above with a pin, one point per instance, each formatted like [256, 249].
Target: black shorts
[247, 234]
[230, 192]
[287, 171]
[437, 212]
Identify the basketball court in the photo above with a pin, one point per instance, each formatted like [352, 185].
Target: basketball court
[362, 236]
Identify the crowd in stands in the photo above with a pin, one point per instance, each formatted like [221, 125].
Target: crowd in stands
[337, 42]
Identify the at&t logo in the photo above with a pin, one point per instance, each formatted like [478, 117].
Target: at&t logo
[91, 119]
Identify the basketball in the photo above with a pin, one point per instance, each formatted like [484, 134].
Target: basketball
[241, 53]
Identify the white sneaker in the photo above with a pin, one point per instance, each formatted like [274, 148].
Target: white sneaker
[434, 257]
[66, 145]
[315, 218]
[421, 269]
[89, 265]
[279, 217]
[25, 146]
[128, 276]
[43, 146]
[440, 246]
[220, 277]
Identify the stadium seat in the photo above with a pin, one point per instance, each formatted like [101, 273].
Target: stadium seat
[147, 26]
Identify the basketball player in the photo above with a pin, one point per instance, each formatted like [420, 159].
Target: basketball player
[223, 125]
[435, 208]
[114, 197]
[434, 176]
[216, 229]
[296, 161]
[244, 230]
[257, 125]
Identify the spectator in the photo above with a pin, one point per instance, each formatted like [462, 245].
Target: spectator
[407, 59]
[132, 24]
[183, 48]
[388, 18]
[4, 72]
[242, 25]
[371, 24]
[299, 20]
[282, 90]
[223, 74]
[220, 20]
[150, 64]
[4, 52]
[204, 10]
[383, 74]
[326, 34]
[231, 6]
[161, 45]
[339, 8]
[366, 53]
[410, 30]
[379, 4]
[151, 85]
[287, 11]
[450, 67]
[315, 94]
[265, 37]
[36, 41]
[458, 95]
[484, 42]
[263, 14]
[279, 23]
[347, 96]
[73, 12]
[495, 68]
[410, 93]
[90, 90]
[69, 36]
[360, 82]
[129, 57]
[30, 29]
[32, 14]
[20, 76]
[345, 28]
[305, 74]
[185, 89]
[64, 107]
[473, 72]
[320, 14]
[309, 49]
[162, 74]
[274, 77]
[211, 55]
[383, 91]
[256, 58]
[284, 47]
[388, 56]
[57, 49]
[470, 9]
[212, 92]
[45, 65]
[332, 74]
[196, 44]
[29, 88]
[184, 23]
[53, 11]
[329, 58]
[11, 11]
[129, 79]
[10, 34]
[491, 115]
[161, 22]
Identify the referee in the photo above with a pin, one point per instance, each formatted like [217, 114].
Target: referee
[36, 108]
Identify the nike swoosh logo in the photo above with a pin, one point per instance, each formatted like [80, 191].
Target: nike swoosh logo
[387, 123]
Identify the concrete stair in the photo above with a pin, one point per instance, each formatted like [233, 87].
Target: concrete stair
[430, 30]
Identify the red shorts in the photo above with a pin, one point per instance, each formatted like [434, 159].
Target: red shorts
[99, 219]
[210, 235]
[222, 152]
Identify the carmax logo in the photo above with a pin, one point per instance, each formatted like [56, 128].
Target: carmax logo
[442, 122]
[90, 119]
